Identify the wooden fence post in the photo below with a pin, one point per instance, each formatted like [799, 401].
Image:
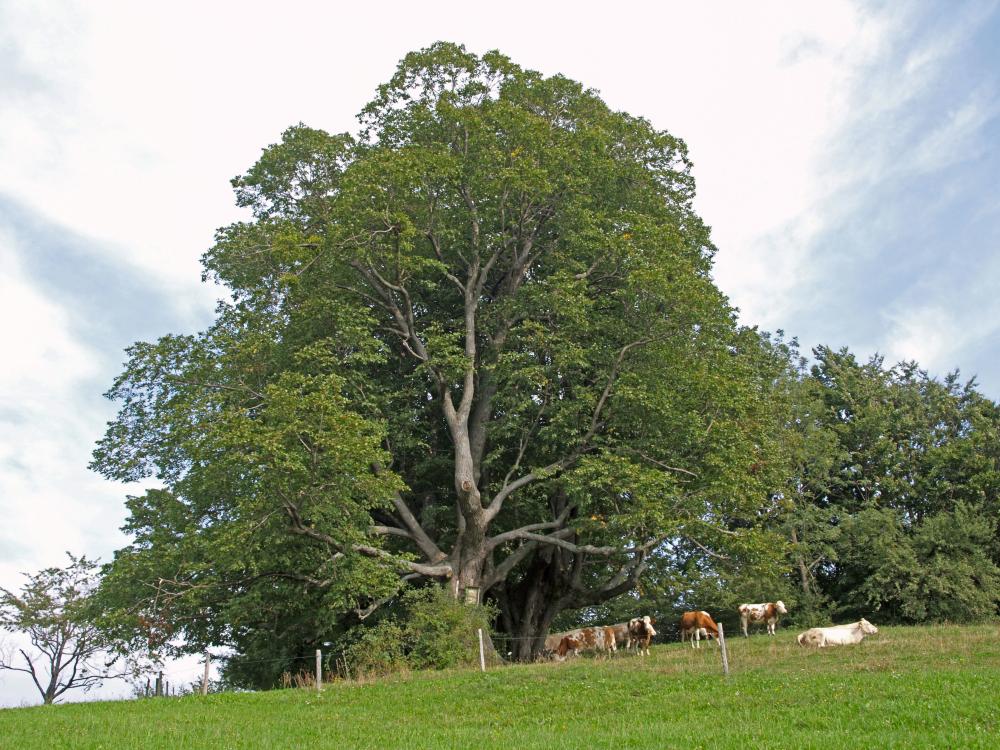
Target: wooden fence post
[158, 691]
[722, 646]
[204, 682]
[482, 656]
[319, 669]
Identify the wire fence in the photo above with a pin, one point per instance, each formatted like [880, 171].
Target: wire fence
[494, 651]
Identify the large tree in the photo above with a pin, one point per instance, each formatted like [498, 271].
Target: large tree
[479, 343]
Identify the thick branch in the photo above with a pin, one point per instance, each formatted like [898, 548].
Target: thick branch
[663, 465]
[707, 551]
[507, 536]
[417, 533]
[497, 503]
[300, 528]
[390, 531]
[433, 571]
[558, 542]
[612, 377]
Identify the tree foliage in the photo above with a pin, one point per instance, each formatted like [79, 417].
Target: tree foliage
[894, 513]
[478, 343]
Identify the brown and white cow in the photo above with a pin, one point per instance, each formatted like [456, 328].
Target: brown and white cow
[641, 632]
[697, 624]
[568, 645]
[767, 613]
[599, 638]
[838, 635]
[627, 634]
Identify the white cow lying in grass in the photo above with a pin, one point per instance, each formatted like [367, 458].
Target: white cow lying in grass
[838, 635]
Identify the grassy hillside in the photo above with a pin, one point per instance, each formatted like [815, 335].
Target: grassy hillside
[906, 687]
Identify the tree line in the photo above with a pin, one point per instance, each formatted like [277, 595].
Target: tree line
[477, 346]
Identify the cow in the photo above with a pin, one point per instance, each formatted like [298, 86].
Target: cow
[696, 625]
[837, 635]
[568, 645]
[598, 638]
[766, 613]
[641, 632]
[623, 635]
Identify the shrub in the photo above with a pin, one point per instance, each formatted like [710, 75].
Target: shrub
[440, 631]
[379, 650]
[429, 630]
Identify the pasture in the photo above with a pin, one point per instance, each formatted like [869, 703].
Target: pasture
[926, 687]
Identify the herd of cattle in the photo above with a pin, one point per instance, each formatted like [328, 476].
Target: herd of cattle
[638, 632]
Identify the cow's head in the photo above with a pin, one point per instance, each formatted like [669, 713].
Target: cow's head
[780, 606]
[642, 626]
[867, 628]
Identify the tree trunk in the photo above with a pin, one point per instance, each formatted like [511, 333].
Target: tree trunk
[528, 607]
[801, 563]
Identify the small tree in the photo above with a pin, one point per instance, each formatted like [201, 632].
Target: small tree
[71, 652]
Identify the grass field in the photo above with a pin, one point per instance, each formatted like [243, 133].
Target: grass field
[905, 688]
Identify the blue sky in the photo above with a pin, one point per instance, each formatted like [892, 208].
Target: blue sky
[908, 260]
[846, 156]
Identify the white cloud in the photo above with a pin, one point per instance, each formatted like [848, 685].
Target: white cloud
[928, 326]
[48, 501]
[140, 130]
[37, 329]
[930, 335]
[957, 138]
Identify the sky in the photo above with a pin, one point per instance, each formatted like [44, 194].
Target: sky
[846, 156]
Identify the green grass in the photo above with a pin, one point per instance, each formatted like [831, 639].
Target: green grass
[906, 687]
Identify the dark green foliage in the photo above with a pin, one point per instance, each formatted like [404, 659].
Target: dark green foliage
[479, 345]
[893, 505]
[440, 631]
[956, 581]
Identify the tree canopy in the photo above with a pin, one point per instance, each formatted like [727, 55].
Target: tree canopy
[895, 507]
[476, 343]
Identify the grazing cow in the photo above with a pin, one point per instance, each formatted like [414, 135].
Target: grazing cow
[766, 613]
[626, 634]
[641, 632]
[598, 638]
[696, 625]
[838, 635]
[568, 645]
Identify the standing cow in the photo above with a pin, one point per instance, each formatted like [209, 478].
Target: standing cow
[766, 613]
[697, 624]
[838, 635]
[641, 632]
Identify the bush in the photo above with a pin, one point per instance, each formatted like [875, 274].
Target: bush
[379, 650]
[440, 630]
[432, 630]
